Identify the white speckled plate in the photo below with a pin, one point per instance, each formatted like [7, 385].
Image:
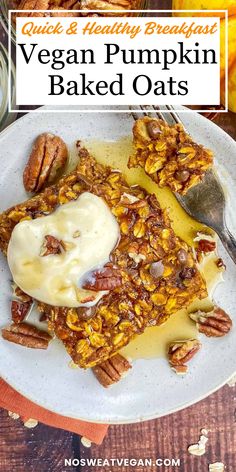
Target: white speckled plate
[151, 389]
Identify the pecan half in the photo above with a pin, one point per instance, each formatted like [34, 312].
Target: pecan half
[214, 323]
[108, 278]
[133, 205]
[51, 245]
[181, 352]
[204, 245]
[26, 335]
[112, 370]
[48, 156]
[19, 310]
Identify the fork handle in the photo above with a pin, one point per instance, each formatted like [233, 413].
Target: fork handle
[229, 242]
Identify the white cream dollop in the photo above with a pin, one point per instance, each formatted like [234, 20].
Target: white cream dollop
[90, 232]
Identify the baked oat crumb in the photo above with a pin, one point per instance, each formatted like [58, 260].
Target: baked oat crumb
[13, 415]
[216, 467]
[31, 423]
[86, 442]
[199, 449]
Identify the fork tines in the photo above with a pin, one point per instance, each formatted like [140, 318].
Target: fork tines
[170, 115]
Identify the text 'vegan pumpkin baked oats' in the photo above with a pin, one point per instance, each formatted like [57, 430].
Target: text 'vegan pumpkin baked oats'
[99, 257]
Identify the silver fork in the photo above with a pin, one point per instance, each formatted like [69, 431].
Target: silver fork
[206, 201]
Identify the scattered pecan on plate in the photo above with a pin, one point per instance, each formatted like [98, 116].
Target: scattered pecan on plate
[214, 323]
[205, 244]
[112, 370]
[181, 352]
[19, 310]
[48, 157]
[26, 335]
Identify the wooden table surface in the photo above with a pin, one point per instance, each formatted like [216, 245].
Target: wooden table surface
[43, 449]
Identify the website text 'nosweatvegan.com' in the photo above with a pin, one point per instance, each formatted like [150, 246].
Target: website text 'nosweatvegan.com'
[124, 462]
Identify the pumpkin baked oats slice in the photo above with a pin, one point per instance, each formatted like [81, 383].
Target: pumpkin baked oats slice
[168, 154]
[151, 274]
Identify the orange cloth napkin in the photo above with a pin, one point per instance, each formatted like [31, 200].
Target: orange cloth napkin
[11, 400]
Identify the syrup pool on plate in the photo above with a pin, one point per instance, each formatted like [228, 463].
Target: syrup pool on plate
[154, 341]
